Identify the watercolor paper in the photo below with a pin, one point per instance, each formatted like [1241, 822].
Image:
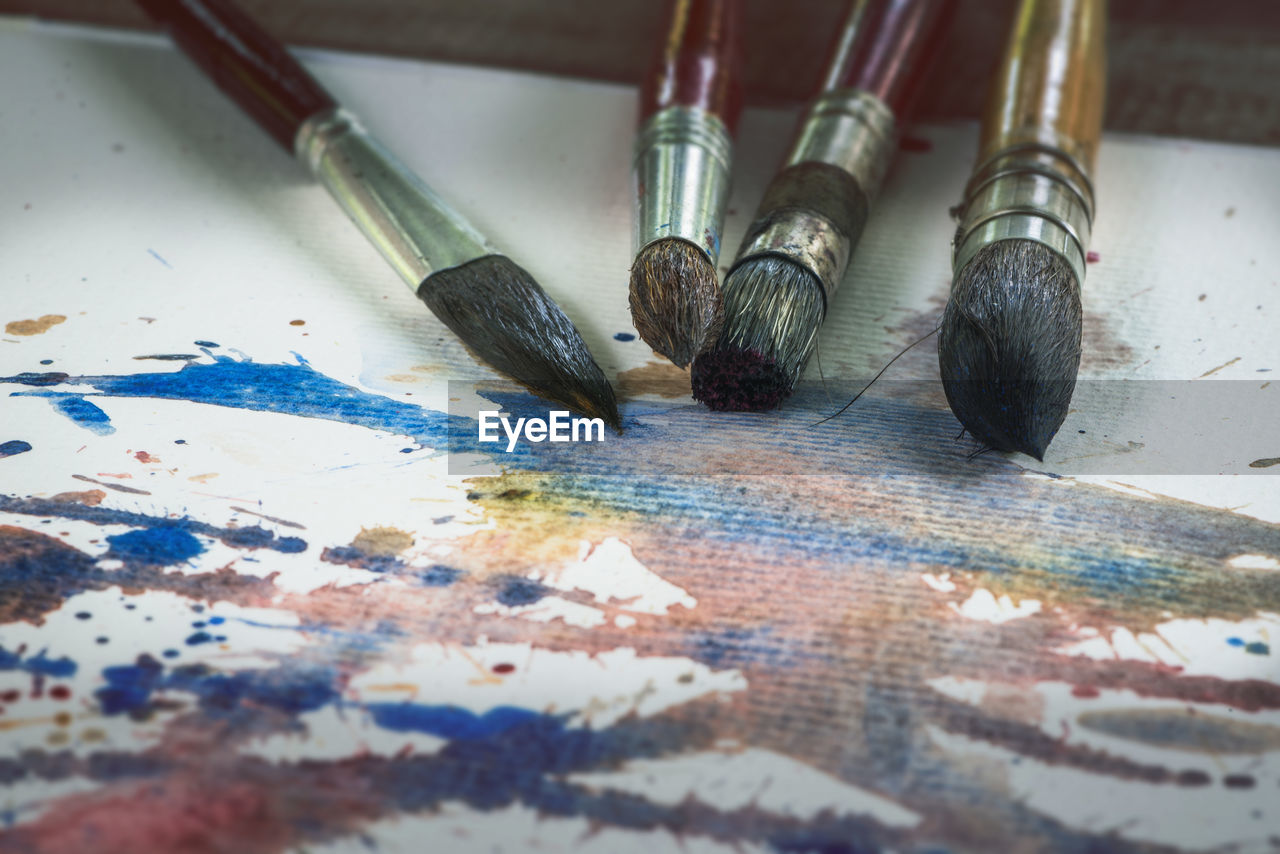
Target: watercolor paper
[262, 590]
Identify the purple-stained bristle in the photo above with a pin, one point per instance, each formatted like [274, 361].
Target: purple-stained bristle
[733, 379]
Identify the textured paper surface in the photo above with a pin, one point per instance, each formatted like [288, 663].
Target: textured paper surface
[244, 606]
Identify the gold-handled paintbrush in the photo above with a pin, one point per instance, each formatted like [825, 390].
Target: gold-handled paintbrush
[489, 302]
[1009, 346]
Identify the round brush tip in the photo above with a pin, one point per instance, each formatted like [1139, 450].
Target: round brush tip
[1009, 345]
[676, 304]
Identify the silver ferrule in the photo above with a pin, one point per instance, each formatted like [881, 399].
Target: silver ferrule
[811, 240]
[1029, 191]
[851, 129]
[814, 215]
[413, 228]
[682, 159]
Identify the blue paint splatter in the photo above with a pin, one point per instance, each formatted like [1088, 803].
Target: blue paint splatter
[1235, 641]
[451, 722]
[439, 575]
[1257, 648]
[149, 545]
[199, 638]
[296, 389]
[162, 545]
[623, 336]
[38, 665]
[521, 591]
[217, 621]
[14, 447]
[156, 255]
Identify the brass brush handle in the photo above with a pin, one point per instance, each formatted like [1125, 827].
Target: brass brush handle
[1050, 88]
[1040, 135]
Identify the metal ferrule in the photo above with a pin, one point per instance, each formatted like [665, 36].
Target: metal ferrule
[413, 228]
[681, 167]
[1030, 191]
[851, 129]
[817, 205]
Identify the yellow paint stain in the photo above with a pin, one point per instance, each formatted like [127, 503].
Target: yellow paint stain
[403, 378]
[93, 735]
[382, 542]
[203, 478]
[410, 687]
[661, 378]
[57, 738]
[38, 326]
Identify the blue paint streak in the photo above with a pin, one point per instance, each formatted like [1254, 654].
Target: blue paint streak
[1235, 641]
[623, 336]
[1257, 648]
[199, 638]
[296, 389]
[290, 689]
[14, 447]
[38, 665]
[156, 255]
[82, 412]
[451, 722]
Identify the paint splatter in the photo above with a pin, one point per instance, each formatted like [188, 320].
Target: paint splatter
[915, 145]
[13, 448]
[623, 336]
[1265, 462]
[1092, 257]
[38, 326]
[294, 389]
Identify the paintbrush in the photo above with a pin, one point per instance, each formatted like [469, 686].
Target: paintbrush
[798, 247]
[496, 308]
[689, 108]
[1009, 346]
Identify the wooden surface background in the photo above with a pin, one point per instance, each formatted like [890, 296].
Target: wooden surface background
[1178, 67]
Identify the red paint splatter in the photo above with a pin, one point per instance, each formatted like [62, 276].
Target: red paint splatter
[1092, 258]
[144, 457]
[504, 668]
[60, 692]
[10, 696]
[1087, 692]
[915, 144]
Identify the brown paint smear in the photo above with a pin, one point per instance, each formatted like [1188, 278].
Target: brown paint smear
[34, 327]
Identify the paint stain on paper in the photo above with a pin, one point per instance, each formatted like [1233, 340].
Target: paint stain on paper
[38, 326]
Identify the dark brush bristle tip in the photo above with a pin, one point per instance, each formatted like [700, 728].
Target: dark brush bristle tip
[732, 379]
[676, 304]
[1009, 345]
[507, 320]
[773, 308]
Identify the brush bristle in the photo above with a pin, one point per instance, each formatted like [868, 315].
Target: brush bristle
[509, 322]
[1009, 346]
[676, 304]
[772, 308]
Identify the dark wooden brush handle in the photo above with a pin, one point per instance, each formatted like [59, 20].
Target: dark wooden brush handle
[245, 62]
[887, 46]
[699, 61]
